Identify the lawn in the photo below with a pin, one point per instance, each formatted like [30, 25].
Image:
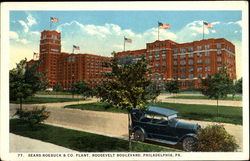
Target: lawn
[236, 98]
[80, 141]
[227, 114]
[53, 93]
[38, 100]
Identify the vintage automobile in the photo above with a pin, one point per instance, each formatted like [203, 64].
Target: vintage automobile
[161, 124]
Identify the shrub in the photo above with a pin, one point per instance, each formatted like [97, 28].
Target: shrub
[34, 116]
[214, 138]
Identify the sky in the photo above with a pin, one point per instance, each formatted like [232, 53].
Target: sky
[101, 32]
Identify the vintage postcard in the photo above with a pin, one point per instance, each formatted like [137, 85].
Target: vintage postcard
[124, 80]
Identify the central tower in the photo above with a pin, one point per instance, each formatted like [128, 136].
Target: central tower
[50, 50]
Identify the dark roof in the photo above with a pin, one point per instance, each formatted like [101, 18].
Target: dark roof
[161, 111]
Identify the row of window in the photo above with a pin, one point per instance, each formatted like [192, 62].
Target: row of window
[192, 69]
[191, 48]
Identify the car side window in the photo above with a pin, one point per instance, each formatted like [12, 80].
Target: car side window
[147, 118]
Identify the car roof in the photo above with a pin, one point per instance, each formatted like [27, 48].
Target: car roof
[161, 111]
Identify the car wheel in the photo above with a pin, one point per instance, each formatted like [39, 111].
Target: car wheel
[189, 144]
[139, 135]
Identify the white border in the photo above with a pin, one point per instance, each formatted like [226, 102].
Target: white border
[191, 5]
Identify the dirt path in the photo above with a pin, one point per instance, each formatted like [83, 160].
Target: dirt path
[106, 123]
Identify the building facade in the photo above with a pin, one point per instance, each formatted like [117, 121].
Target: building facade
[67, 68]
[189, 63]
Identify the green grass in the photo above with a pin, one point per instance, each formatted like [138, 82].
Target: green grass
[227, 114]
[78, 140]
[97, 106]
[38, 100]
[236, 98]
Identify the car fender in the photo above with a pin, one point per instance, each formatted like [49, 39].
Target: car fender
[188, 135]
[140, 128]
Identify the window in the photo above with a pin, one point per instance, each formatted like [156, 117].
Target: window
[183, 69]
[183, 76]
[190, 62]
[175, 50]
[199, 48]
[199, 61]
[207, 68]
[175, 70]
[207, 53]
[175, 56]
[183, 56]
[191, 55]
[190, 49]
[199, 69]
[219, 68]
[218, 52]
[183, 50]
[175, 63]
[44, 36]
[191, 76]
[199, 54]
[183, 83]
[199, 75]
[219, 59]
[54, 37]
[190, 69]
[218, 45]
[183, 62]
[207, 46]
[207, 61]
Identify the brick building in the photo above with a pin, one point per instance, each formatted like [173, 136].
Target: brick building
[187, 62]
[67, 68]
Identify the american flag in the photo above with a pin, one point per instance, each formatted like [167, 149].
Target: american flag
[53, 19]
[35, 56]
[76, 47]
[208, 25]
[127, 40]
[163, 26]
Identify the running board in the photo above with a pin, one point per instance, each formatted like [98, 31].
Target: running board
[164, 141]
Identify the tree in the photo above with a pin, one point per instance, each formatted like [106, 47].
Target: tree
[217, 86]
[25, 81]
[129, 87]
[58, 87]
[82, 88]
[238, 86]
[172, 86]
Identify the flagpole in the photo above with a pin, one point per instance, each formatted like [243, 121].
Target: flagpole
[203, 30]
[124, 43]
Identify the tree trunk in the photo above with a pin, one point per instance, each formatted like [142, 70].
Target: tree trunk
[21, 103]
[129, 131]
[217, 109]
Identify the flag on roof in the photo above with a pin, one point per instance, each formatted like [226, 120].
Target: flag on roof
[76, 47]
[35, 56]
[53, 19]
[208, 25]
[127, 40]
[163, 26]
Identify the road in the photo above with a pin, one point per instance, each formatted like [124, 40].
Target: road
[106, 123]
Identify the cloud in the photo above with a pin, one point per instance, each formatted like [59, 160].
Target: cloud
[103, 39]
[25, 26]
[14, 36]
[240, 23]
[30, 22]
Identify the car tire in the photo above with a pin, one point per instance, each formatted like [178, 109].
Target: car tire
[189, 144]
[139, 135]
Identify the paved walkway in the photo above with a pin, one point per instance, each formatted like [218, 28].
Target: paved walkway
[106, 123]
[25, 144]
